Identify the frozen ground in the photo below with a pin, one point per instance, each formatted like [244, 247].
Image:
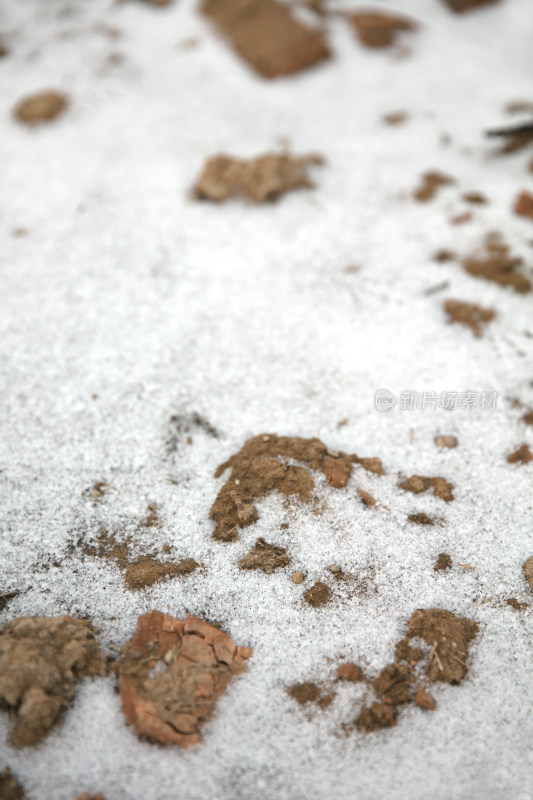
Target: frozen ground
[126, 303]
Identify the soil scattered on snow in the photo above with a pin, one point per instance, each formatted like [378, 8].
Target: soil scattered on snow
[417, 484]
[524, 205]
[350, 672]
[430, 185]
[40, 660]
[470, 315]
[498, 265]
[420, 519]
[171, 674]
[43, 106]
[378, 30]
[521, 456]
[444, 562]
[265, 556]
[10, 788]
[310, 693]
[318, 595]
[528, 571]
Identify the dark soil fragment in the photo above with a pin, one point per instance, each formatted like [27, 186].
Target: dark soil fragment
[367, 498]
[261, 467]
[265, 556]
[261, 179]
[524, 205]
[264, 33]
[318, 595]
[182, 426]
[40, 660]
[420, 519]
[528, 570]
[521, 456]
[378, 30]
[442, 256]
[337, 471]
[461, 219]
[448, 637]
[404, 652]
[443, 562]
[446, 442]
[475, 198]
[88, 795]
[171, 674]
[3, 50]
[43, 106]
[395, 118]
[470, 315]
[350, 672]
[417, 484]
[498, 265]
[513, 602]
[10, 788]
[309, 692]
[515, 138]
[528, 418]
[393, 684]
[370, 464]
[376, 716]
[5, 597]
[459, 6]
[424, 699]
[430, 185]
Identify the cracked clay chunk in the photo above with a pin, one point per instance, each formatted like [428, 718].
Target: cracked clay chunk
[448, 636]
[470, 315]
[528, 571]
[498, 265]
[430, 185]
[261, 467]
[264, 33]
[417, 484]
[521, 456]
[524, 205]
[260, 179]
[459, 6]
[265, 556]
[40, 660]
[171, 674]
[43, 106]
[378, 30]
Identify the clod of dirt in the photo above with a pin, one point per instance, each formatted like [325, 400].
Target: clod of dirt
[459, 6]
[417, 484]
[310, 693]
[337, 471]
[424, 699]
[443, 562]
[367, 498]
[461, 219]
[515, 138]
[5, 597]
[3, 51]
[431, 183]
[393, 684]
[528, 570]
[261, 467]
[40, 660]
[404, 652]
[260, 179]
[88, 795]
[524, 205]
[369, 464]
[528, 418]
[377, 715]
[318, 595]
[521, 456]
[513, 602]
[350, 672]
[470, 315]
[10, 788]
[498, 265]
[297, 577]
[442, 256]
[264, 33]
[265, 556]
[475, 198]
[420, 519]
[395, 118]
[378, 30]
[171, 674]
[43, 106]
[446, 442]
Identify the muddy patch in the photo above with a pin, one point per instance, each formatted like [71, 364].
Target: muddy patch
[528, 571]
[420, 519]
[470, 315]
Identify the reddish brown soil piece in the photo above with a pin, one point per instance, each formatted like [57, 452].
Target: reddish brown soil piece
[337, 471]
[470, 315]
[446, 442]
[367, 498]
[459, 6]
[318, 595]
[498, 265]
[393, 684]
[395, 118]
[350, 672]
[420, 519]
[10, 788]
[261, 467]
[43, 106]
[524, 205]
[528, 570]
[404, 652]
[417, 484]
[462, 219]
[424, 699]
[378, 30]
[475, 198]
[309, 692]
[370, 464]
[171, 674]
[430, 185]
[88, 795]
[297, 577]
[40, 660]
[528, 418]
[443, 563]
[261, 179]
[513, 602]
[376, 716]
[441, 256]
[265, 556]
[265, 34]
[521, 456]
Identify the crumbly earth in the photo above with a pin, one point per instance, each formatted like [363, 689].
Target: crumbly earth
[379, 30]
[260, 179]
[470, 315]
[417, 484]
[521, 456]
[266, 557]
[528, 571]
[430, 184]
[10, 788]
[44, 106]
[524, 205]
[40, 660]
[420, 519]
[309, 692]
[444, 562]
[318, 595]
[446, 442]
[171, 674]
[498, 265]
[264, 34]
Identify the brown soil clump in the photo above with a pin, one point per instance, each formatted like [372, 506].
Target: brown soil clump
[261, 467]
[350, 672]
[442, 256]
[528, 418]
[378, 30]
[88, 795]
[41, 107]
[309, 692]
[446, 442]
[370, 464]
[264, 33]
[513, 602]
[420, 519]
[395, 118]
[5, 597]
[171, 674]
[444, 562]
[470, 315]
[475, 198]
[40, 660]
[524, 205]
[394, 683]
[498, 265]
[417, 484]
[265, 556]
[528, 570]
[423, 699]
[462, 219]
[297, 578]
[430, 185]
[337, 471]
[262, 179]
[10, 788]
[367, 498]
[521, 456]
[318, 595]
[376, 716]
[460, 6]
